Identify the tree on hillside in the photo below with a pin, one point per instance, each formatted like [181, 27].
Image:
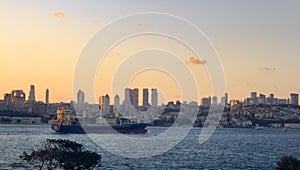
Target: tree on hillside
[288, 163]
[58, 153]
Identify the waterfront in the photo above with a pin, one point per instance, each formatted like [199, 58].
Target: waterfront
[226, 149]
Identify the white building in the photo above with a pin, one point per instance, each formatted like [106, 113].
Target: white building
[80, 97]
[104, 102]
[154, 97]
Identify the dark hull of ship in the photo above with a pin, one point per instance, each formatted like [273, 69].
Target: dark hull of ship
[138, 128]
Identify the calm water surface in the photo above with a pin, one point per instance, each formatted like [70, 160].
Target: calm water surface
[226, 149]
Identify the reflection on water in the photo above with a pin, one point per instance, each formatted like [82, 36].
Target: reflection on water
[226, 149]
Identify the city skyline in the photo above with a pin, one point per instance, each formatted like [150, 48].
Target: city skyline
[141, 98]
[257, 43]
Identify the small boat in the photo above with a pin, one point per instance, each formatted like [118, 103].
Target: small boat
[260, 128]
[64, 123]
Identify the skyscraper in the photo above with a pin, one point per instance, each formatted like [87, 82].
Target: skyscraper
[253, 97]
[47, 96]
[104, 102]
[127, 99]
[117, 101]
[106, 107]
[271, 99]
[205, 102]
[226, 98]
[18, 99]
[8, 101]
[223, 100]
[31, 96]
[80, 97]
[116, 105]
[262, 99]
[214, 100]
[294, 99]
[135, 97]
[132, 97]
[145, 98]
[154, 97]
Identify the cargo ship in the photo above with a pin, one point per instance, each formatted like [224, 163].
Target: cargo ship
[64, 123]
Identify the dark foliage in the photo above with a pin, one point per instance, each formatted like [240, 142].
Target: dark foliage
[58, 153]
[288, 163]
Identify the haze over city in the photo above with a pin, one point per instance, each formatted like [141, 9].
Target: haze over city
[257, 43]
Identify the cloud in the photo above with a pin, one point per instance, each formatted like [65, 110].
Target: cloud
[58, 14]
[269, 68]
[194, 60]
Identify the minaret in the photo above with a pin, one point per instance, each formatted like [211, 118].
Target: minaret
[47, 96]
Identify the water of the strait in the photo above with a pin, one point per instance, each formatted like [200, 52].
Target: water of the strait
[226, 149]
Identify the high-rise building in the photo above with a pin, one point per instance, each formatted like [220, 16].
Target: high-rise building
[116, 106]
[101, 102]
[223, 100]
[18, 99]
[31, 96]
[145, 98]
[262, 99]
[135, 97]
[226, 98]
[253, 97]
[127, 98]
[47, 97]
[80, 97]
[205, 102]
[107, 104]
[214, 100]
[8, 101]
[117, 101]
[271, 99]
[104, 102]
[131, 97]
[154, 97]
[294, 99]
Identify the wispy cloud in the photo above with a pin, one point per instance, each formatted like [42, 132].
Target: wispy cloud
[58, 14]
[269, 69]
[194, 60]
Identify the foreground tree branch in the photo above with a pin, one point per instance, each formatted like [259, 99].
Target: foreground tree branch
[63, 154]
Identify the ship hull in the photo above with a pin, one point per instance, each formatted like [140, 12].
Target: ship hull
[126, 129]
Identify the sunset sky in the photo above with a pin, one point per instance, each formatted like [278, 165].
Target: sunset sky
[257, 42]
